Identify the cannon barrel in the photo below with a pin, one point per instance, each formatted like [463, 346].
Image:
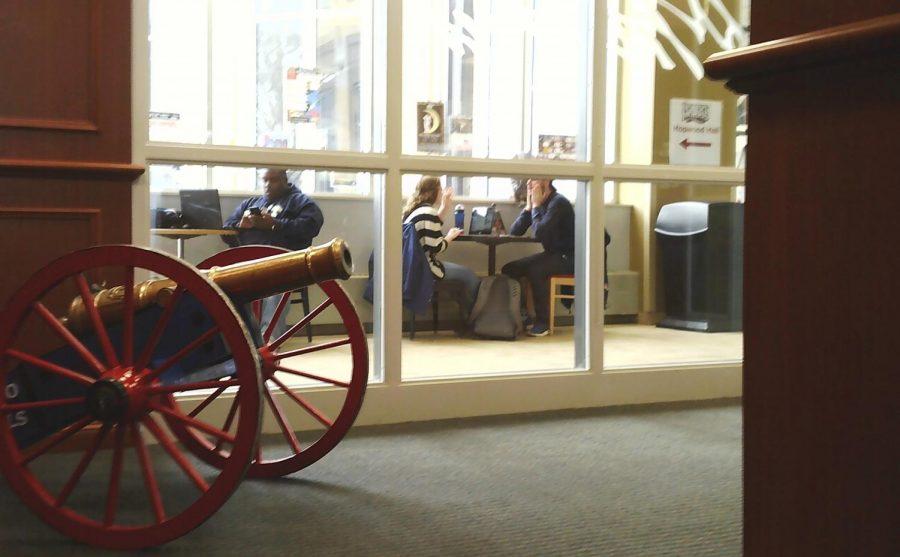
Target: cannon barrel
[246, 281]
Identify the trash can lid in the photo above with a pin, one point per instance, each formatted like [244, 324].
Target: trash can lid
[683, 219]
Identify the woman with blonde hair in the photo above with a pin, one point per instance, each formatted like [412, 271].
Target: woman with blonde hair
[428, 221]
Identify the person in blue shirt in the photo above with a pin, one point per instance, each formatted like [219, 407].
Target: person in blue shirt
[285, 217]
[552, 218]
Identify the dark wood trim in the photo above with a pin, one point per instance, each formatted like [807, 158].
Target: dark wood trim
[95, 52]
[852, 43]
[68, 169]
[91, 214]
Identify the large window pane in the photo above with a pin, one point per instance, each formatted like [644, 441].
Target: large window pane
[438, 342]
[660, 107]
[494, 79]
[267, 73]
[350, 217]
[674, 263]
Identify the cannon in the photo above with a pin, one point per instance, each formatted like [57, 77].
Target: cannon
[150, 390]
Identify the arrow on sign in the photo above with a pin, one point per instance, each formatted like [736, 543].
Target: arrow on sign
[685, 144]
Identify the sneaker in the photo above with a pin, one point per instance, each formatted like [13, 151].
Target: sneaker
[539, 330]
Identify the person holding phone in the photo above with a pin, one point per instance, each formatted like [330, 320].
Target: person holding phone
[283, 217]
[428, 221]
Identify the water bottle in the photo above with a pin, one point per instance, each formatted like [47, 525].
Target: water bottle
[459, 217]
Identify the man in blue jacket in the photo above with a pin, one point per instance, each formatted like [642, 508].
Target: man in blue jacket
[283, 217]
[553, 219]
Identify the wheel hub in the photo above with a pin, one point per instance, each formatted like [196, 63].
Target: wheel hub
[107, 400]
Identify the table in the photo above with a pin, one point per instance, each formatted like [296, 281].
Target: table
[182, 234]
[492, 242]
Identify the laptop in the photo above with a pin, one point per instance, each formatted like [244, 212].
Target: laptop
[486, 220]
[201, 208]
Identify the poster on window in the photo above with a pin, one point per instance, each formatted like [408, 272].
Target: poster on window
[556, 147]
[695, 132]
[430, 126]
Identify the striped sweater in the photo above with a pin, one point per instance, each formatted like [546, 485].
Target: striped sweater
[428, 224]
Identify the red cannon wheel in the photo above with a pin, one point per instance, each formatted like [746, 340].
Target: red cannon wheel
[351, 379]
[119, 379]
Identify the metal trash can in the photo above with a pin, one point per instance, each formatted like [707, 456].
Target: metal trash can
[701, 255]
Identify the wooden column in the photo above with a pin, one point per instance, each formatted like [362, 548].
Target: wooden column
[822, 276]
[65, 131]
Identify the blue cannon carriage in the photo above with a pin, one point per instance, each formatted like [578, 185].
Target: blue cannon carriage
[175, 367]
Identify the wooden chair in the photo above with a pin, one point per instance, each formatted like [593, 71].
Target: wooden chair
[557, 281]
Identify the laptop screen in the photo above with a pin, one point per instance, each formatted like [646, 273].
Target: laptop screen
[201, 208]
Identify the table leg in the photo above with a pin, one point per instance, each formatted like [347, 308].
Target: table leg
[492, 259]
[179, 248]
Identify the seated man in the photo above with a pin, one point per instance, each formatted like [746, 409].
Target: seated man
[283, 217]
[553, 219]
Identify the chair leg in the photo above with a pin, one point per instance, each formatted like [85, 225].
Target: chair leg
[412, 325]
[305, 301]
[552, 305]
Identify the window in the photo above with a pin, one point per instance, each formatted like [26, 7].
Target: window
[245, 180]
[660, 107]
[496, 79]
[296, 74]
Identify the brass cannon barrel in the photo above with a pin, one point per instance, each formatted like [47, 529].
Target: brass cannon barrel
[245, 281]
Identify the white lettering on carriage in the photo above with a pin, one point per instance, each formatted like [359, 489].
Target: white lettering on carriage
[18, 419]
[12, 391]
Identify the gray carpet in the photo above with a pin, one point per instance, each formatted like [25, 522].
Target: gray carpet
[632, 481]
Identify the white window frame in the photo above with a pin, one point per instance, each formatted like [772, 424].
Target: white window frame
[395, 400]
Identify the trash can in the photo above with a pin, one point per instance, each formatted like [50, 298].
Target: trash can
[701, 255]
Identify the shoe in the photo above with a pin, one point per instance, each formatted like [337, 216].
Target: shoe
[539, 330]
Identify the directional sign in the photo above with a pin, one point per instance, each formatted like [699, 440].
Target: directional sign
[695, 132]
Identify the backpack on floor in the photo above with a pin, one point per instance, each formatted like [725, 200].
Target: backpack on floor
[496, 312]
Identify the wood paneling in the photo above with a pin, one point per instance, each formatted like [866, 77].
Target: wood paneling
[66, 90]
[65, 131]
[775, 19]
[820, 292]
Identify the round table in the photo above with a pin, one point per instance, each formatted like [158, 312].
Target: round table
[492, 241]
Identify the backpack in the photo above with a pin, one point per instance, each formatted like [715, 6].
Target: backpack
[496, 313]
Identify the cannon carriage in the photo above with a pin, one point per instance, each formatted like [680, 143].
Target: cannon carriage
[151, 392]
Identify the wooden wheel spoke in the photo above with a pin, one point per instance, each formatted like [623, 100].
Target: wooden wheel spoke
[314, 348]
[313, 376]
[115, 475]
[149, 477]
[56, 439]
[158, 330]
[282, 422]
[175, 358]
[267, 334]
[99, 328]
[194, 423]
[7, 408]
[300, 324]
[128, 318]
[161, 389]
[50, 367]
[229, 419]
[176, 455]
[70, 339]
[82, 466]
[313, 411]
